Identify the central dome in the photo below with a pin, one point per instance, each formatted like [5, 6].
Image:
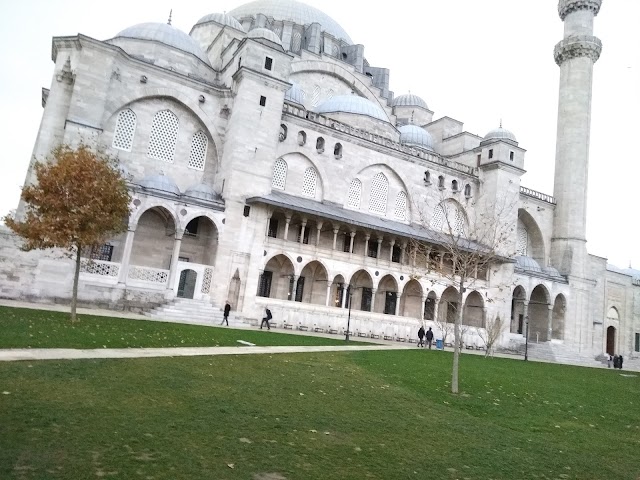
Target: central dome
[353, 104]
[292, 11]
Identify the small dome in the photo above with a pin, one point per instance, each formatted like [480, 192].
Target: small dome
[292, 11]
[500, 134]
[294, 94]
[552, 272]
[527, 264]
[222, 19]
[201, 192]
[161, 183]
[353, 104]
[166, 34]
[414, 136]
[266, 34]
[409, 100]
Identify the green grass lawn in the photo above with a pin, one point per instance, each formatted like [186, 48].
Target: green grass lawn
[26, 328]
[357, 415]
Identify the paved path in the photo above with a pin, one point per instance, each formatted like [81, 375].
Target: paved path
[73, 354]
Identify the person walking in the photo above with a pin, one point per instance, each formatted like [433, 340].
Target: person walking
[225, 318]
[266, 318]
[429, 336]
[620, 362]
[421, 336]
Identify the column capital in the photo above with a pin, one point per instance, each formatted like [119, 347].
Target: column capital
[577, 46]
[565, 7]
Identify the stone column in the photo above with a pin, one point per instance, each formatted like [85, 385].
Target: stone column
[550, 323]
[367, 237]
[525, 314]
[575, 55]
[126, 256]
[379, 248]
[435, 310]
[286, 227]
[335, 236]
[374, 291]
[344, 296]
[303, 229]
[294, 288]
[392, 244]
[353, 234]
[424, 307]
[318, 232]
[398, 300]
[269, 215]
[403, 247]
[326, 304]
[174, 259]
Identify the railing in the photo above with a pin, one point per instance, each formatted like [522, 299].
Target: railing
[377, 139]
[99, 267]
[150, 275]
[537, 195]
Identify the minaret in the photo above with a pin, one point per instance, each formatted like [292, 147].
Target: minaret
[575, 55]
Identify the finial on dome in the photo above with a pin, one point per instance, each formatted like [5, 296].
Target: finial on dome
[170, 13]
[500, 123]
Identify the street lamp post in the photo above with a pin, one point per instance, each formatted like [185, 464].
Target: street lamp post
[526, 339]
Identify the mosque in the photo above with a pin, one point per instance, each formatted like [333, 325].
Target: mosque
[270, 164]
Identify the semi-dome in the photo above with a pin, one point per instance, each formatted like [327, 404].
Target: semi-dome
[500, 134]
[294, 94]
[222, 19]
[290, 10]
[160, 183]
[527, 264]
[201, 191]
[414, 136]
[167, 35]
[353, 104]
[409, 100]
[266, 34]
[552, 272]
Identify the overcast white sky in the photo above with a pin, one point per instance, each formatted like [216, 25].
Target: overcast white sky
[475, 61]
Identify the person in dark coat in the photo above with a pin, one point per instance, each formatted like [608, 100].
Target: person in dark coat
[266, 318]
[429, 336]
[421, 337]
[620, 362]
[225, 318]
[615, 361]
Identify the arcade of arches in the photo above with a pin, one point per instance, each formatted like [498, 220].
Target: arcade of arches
[546, 316]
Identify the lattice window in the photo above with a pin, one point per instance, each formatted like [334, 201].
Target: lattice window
[96, 267]
[309, 182]
[355, 192]
[438, 219]
[297, 42]
[198, 153]
[164, 134]
[315, 96]
[101, 252]
[458, 222]
[379, 192]
[149, 274]
[522, 241]
[401, 206]
[206, 280]
[279, 179]
[125, 130]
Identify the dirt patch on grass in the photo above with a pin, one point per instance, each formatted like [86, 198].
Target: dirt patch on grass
[268, 476]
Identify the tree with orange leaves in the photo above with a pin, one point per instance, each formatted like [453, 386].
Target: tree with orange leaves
[80, 199]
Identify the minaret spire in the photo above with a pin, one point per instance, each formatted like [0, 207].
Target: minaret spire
[170, 13]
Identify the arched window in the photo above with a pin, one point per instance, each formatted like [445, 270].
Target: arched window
[438, 219]
[279, 179]
[355, 192]
[125, 130]
[448, 215]
[283, 132]
[522, 242]
[401, 206]
[454, 185]
[337, 151]
[427, 177]
[198, 153]
[379, 192]
[320, 145]
[467, 190]
[164, 134]
[302, 138]
[309, 182]
[441, 182]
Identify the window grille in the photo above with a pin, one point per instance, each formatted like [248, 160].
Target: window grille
[346, 246]
[125, 130]
[367, 296]
[299, 289]
[279, 174]
[273, 228]
[522, 240]
[309, 182]
[458, 222]
[379, 191]
[164, 134]
[297, 42]
[315, 96]
[395, 254]
[355, 191]
[373, 249]
[198, 153]
[437, 221]
[264, 284]
[401, 206]
[102, 252]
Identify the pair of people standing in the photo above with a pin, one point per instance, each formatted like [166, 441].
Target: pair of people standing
[425, 337]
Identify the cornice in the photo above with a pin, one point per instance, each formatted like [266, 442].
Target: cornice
[565, 7]
[577, 46]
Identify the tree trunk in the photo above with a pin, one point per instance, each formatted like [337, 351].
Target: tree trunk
[76, 277]
[456, 339]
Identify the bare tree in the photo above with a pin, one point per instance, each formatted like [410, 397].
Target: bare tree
[491, 333]
[445, 327]
[462, 248]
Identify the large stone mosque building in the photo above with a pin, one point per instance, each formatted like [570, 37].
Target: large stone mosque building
[271, 165]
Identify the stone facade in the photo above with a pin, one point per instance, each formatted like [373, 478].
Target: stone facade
[271, 165]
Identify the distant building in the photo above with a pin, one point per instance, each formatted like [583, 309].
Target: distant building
[270, 164]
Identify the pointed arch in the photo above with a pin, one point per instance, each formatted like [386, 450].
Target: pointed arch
[528, 231]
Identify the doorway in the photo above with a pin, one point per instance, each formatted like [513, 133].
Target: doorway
[187, 284]
[611, 340]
